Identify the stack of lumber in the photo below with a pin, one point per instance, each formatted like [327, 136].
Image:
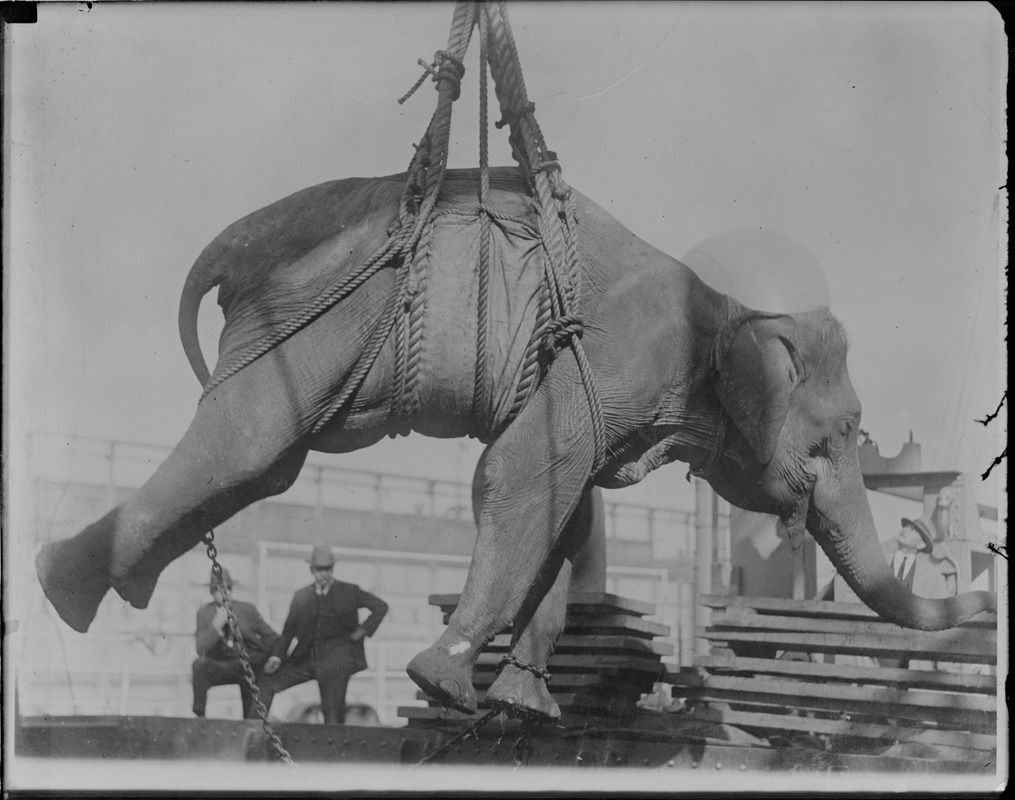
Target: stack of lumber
[604, 661]
[837, 673]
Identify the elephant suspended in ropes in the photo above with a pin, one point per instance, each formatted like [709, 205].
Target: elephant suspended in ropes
[760, 405]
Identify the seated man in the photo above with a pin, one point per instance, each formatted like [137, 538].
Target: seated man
[324, 621]
[218, 659]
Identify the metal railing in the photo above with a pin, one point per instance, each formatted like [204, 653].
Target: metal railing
[61, 459]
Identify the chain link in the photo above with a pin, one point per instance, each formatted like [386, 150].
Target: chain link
[241, 649]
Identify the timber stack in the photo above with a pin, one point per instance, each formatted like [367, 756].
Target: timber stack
[607, 657]
[837, 676]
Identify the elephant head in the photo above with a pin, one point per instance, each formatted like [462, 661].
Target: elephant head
[791, 450]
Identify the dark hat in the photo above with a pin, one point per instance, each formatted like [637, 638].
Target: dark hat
[227, 579]
[321, 556]
[922, 528]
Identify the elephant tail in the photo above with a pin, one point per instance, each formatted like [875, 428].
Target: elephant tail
[203, 277]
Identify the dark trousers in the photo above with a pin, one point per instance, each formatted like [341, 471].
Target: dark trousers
[332, 676]
[210, 672]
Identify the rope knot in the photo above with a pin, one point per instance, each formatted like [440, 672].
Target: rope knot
[539, 672]
[560, 332]
[449, 68]
[510, 117]
[445, 66]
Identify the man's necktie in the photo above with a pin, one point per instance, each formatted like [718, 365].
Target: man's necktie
[902, 569]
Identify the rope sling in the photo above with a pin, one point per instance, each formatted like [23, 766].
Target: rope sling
[557, 325]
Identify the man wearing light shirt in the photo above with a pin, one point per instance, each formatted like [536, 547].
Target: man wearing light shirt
[324, 621]
[914, 567]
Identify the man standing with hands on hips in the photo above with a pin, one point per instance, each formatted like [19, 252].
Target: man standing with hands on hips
[324, 621]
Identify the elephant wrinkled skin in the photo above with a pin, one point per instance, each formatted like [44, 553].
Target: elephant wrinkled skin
[759, 404]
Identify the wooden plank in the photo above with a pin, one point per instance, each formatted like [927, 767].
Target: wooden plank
[870, 694]
[916, 678]
[955, 711]
[610, 625]
[968, 741]
[928, 646]
[589, 663]
[818, 608]
[567, 700]
[595, 644]
[580, 603]
[748, 619]
[854, 711]
[631, 683]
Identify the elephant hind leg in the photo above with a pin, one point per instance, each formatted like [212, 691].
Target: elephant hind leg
[73, 576]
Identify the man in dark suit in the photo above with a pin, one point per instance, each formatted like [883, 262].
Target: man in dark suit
[324, 621]
[218, 659]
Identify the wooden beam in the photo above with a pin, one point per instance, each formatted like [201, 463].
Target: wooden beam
[923, 646]
[918, 678]
[969, 741]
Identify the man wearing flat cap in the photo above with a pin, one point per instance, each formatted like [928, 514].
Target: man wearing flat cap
[324, 621]
[218, 653]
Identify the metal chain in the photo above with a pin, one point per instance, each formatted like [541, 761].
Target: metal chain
[241, 649]
[444, 748]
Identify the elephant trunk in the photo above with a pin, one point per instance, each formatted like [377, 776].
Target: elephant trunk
[855, 551]
[206, 273]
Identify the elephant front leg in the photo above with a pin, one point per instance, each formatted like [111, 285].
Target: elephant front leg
[533, 478]
[523, 682]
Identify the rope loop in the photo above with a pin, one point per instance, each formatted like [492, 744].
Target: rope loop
[445, 66]
[560, 332]
[510, 117]
[539, 672]
[450, 69]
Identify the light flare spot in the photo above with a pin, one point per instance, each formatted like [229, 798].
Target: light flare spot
[458, 649]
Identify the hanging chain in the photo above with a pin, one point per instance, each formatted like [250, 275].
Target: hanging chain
[248, 671]
[444, 748]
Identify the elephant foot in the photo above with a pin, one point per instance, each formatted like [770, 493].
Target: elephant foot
[71, 584]
[136, 589]
[521, 691]
[445, 677]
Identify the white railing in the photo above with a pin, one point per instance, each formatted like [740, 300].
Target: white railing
[117, 465]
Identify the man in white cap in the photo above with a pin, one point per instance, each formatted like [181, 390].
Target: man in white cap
[912, 557]
[324, 621]
[218, 652]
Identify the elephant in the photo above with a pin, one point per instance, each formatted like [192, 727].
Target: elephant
[760, 405]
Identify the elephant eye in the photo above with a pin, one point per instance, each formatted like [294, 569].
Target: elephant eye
[821, 449]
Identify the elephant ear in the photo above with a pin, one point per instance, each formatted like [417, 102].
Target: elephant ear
[756, 371]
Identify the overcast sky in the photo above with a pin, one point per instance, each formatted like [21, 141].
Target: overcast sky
[871, 135]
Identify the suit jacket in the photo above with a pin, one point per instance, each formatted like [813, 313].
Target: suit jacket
[258, 636]
[340, 607]
[925, 576]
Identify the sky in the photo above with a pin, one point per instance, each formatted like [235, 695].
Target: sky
[870, 135]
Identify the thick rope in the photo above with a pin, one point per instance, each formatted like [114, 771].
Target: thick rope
[378, 336]
[388, 252]
[479, 404]
[558, 223]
